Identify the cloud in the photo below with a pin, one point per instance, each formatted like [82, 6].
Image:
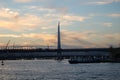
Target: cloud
[22, 1]
[85, 39]
[74, 18]
[9, 35]
[60, 13]
[14, 21]
[39, 8]
[100, 2]
[114, 36]
[97, 2]
[27, 1]
[78, 39]
[68, 17]
[106, 39]
[25, 22]
[8, 13]
[68, 38]
[2, 44]
[107, 24]
[90, 39]
[37, 39]
[49, 9]
[48, 27]
[114, 15]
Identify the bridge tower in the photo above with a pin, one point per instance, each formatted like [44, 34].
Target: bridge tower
[59, 53]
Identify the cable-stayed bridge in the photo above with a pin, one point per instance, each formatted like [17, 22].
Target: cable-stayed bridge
[31, 52]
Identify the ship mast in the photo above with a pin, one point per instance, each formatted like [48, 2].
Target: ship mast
[6, 47]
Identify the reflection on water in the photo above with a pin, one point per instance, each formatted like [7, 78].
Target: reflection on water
[54, 70]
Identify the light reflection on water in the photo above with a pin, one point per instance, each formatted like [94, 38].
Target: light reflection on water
[54, 70]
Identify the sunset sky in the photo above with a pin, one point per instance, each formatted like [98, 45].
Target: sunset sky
[84, 23]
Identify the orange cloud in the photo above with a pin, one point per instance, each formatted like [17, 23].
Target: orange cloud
[68, 38]
[13, 21]
[8, 13]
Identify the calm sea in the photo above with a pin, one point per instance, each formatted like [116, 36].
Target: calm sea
[56, 70]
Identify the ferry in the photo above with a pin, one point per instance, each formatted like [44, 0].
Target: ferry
[77, 60]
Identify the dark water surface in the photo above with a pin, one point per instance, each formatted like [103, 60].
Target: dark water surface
[55, 70]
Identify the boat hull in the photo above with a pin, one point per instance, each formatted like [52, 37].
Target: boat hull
[76, 62]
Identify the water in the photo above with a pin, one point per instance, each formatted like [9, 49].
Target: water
[55, 70]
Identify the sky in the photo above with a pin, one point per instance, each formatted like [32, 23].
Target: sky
[83, 23]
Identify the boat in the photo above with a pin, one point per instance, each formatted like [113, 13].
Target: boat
[77, 60]
[2, 63]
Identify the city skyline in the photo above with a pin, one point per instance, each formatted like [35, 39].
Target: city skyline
[84, 24]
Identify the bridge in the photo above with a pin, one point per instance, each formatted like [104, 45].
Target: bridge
[52, 53]
[31, 52]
